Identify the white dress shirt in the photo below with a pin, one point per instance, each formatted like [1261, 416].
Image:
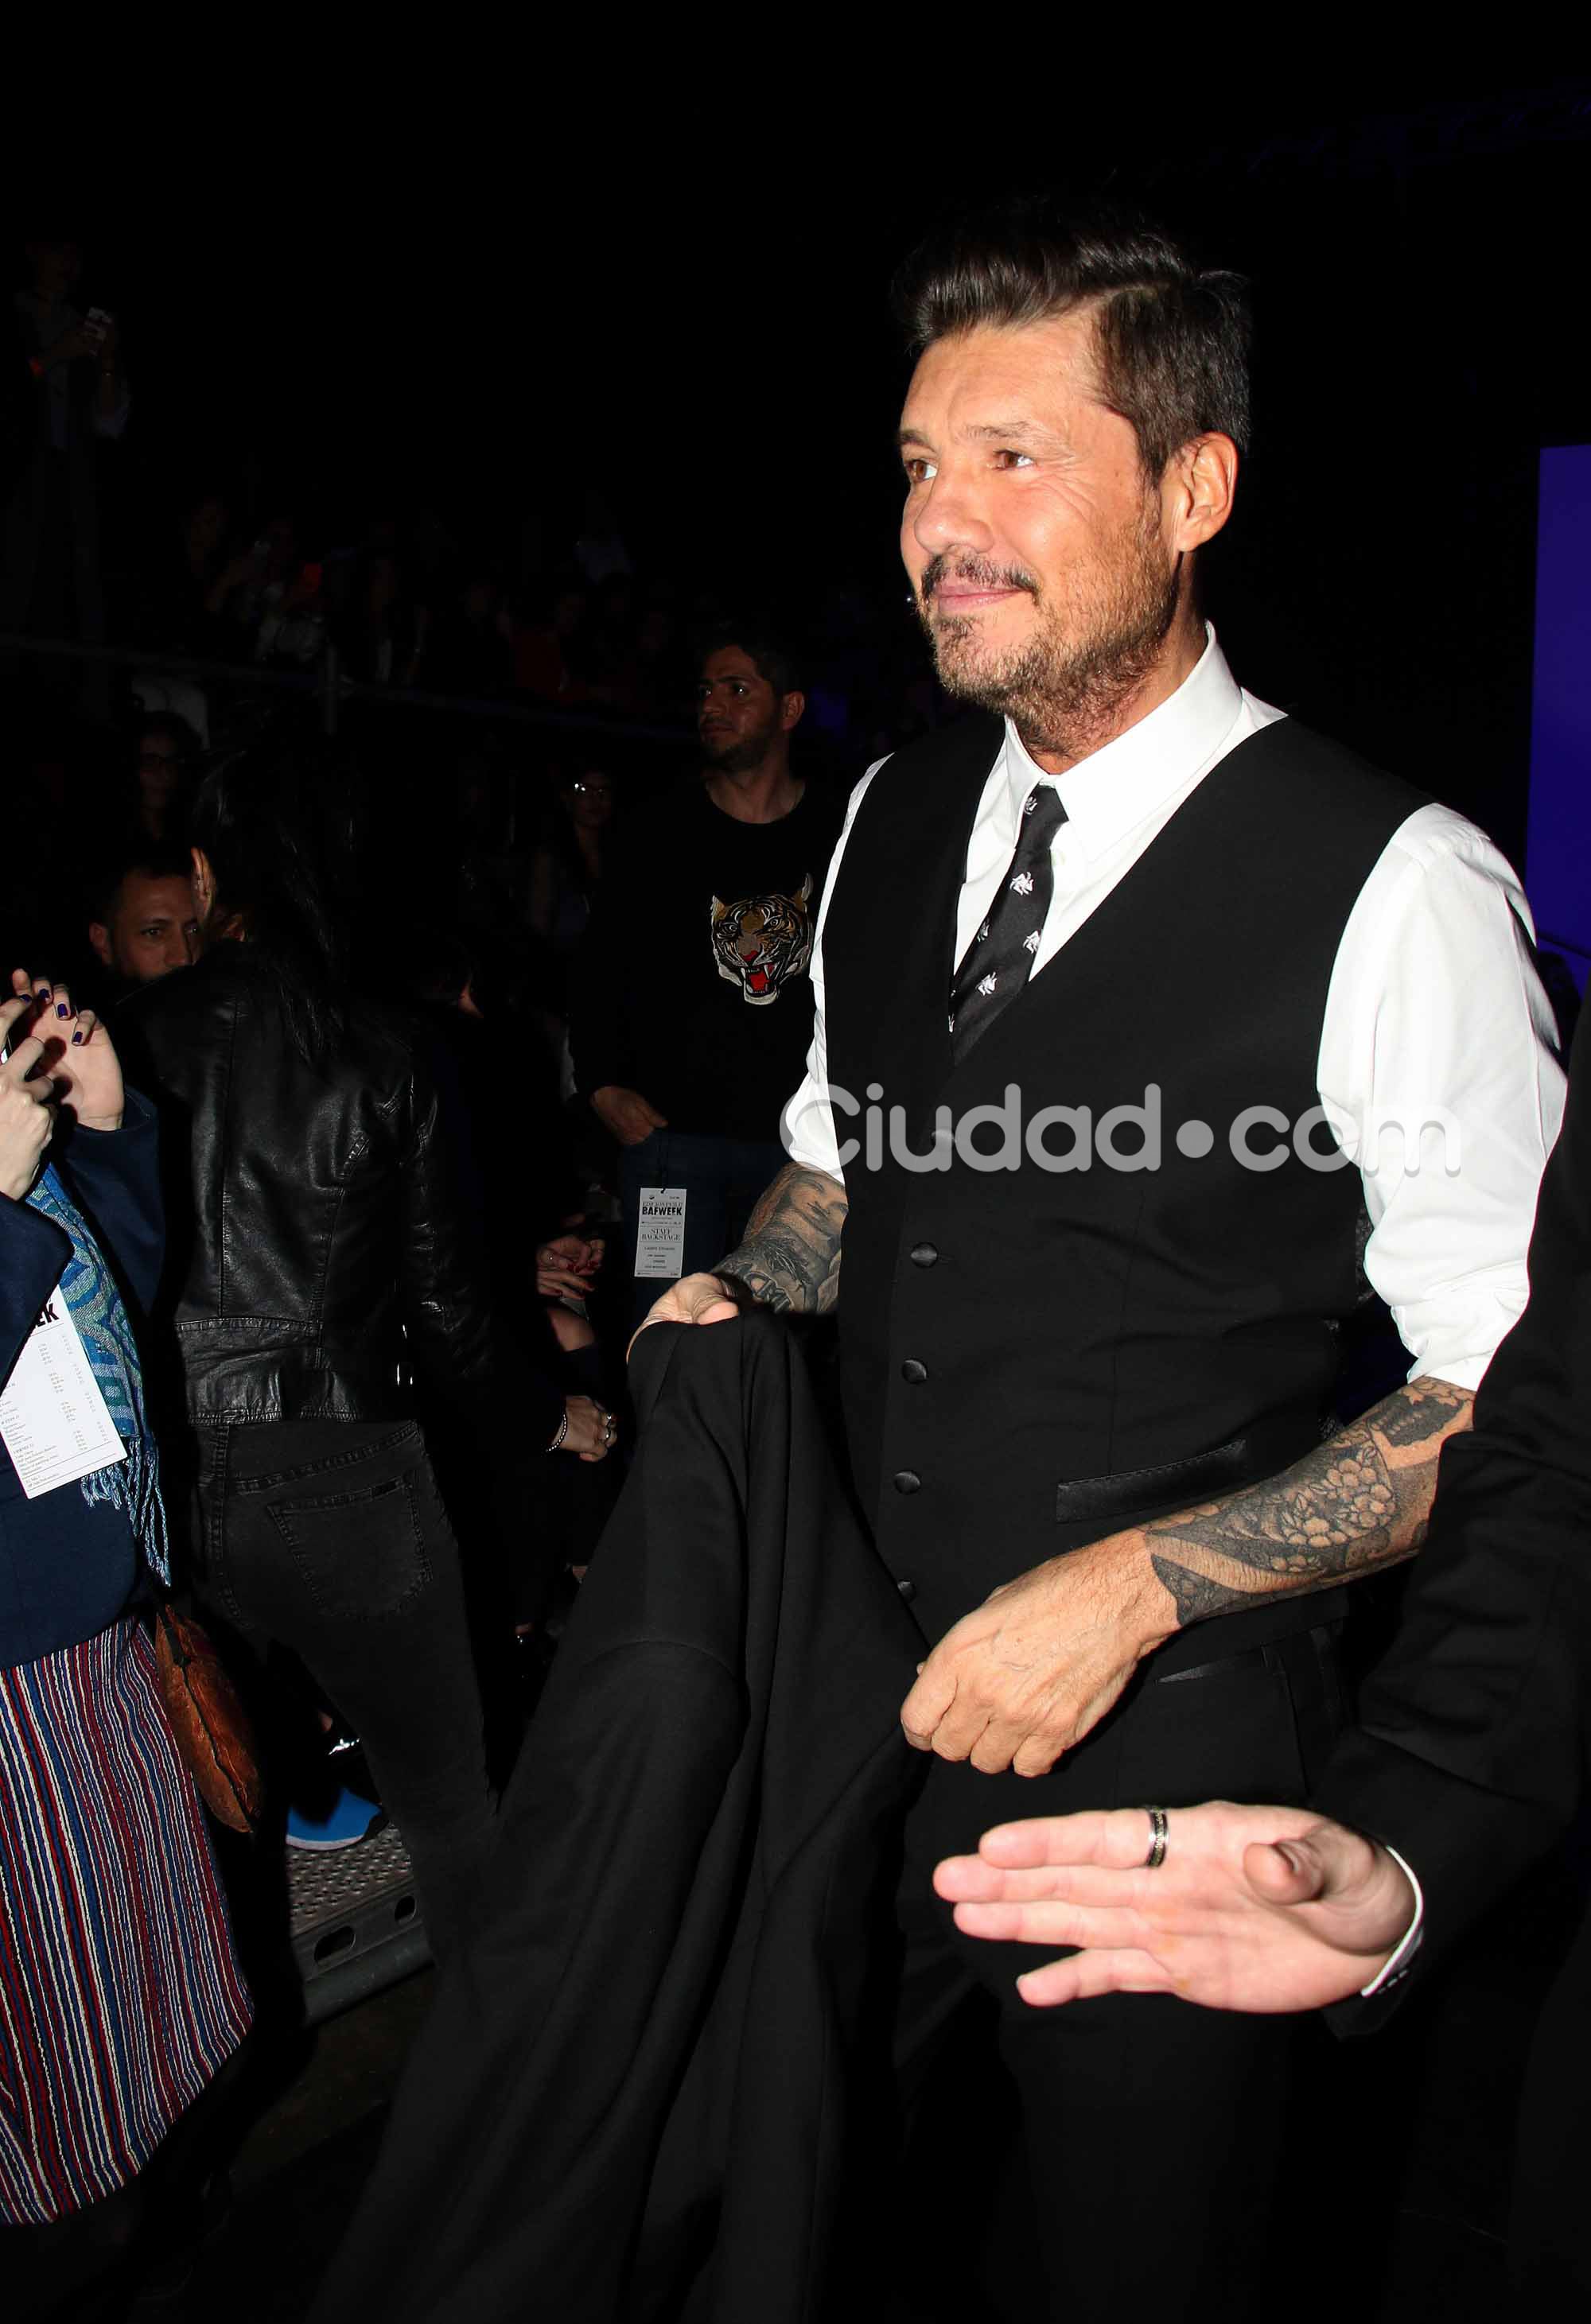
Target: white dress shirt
[1433, 1004]
[1402, 1955]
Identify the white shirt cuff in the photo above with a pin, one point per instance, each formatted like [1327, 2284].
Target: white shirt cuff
[1398, 1961]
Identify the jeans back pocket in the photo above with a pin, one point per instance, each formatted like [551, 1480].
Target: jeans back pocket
[360, 1552]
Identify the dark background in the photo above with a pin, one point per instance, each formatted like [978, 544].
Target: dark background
[688, 316]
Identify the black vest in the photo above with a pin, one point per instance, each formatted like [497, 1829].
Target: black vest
[1033, 1359]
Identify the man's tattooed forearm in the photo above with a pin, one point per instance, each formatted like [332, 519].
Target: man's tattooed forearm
[1422, 1417]
[789, 1257]
[1362, 1499]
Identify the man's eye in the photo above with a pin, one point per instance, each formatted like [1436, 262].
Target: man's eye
[1010, 459]
[920, 472]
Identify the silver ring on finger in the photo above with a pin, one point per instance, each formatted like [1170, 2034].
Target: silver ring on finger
[1157, 1839]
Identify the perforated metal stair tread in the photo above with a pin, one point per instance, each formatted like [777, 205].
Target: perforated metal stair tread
[323, 1882]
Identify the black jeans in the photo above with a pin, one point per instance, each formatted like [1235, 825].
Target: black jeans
[329, 1537]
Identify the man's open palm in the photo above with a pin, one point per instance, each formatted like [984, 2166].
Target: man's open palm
[1260, 1909]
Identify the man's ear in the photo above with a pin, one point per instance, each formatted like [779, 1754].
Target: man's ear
[791, 707]
[1200, 488]
[99, 937]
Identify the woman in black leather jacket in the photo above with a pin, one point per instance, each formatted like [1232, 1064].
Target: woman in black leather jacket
[321, 1260]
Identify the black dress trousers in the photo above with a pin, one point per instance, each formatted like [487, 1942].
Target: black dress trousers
[1155, 2134]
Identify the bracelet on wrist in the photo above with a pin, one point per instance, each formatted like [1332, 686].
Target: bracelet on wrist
[563, 1430]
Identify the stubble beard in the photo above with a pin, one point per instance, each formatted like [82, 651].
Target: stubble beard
[1092, 648]
[741, 758]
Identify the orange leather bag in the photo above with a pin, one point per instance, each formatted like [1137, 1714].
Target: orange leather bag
[209, 1721]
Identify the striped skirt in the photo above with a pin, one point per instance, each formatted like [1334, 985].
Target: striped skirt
[120, 1994]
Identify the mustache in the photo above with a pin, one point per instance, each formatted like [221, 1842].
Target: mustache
[977, 571]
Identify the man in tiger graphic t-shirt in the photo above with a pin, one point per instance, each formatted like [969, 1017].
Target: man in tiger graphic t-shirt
[692, 1009]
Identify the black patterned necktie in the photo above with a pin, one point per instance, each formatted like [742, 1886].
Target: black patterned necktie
[999, 960]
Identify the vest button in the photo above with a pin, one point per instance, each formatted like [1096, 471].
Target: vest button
[908, 1590]
[907, 1480]
[913, 1372]
[923, 1254]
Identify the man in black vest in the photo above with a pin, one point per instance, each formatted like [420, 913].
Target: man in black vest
[1468, 1761]
[1116, 982]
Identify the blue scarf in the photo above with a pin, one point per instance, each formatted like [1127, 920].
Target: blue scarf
[96, 1307]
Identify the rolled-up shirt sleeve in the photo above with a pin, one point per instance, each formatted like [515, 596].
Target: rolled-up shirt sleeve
[810, 1135]
[1439, 1076]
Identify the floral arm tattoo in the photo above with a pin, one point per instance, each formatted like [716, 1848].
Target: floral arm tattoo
[789, 1257]
[1362, 1501]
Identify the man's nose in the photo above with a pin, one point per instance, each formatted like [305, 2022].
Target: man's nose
[949, 516]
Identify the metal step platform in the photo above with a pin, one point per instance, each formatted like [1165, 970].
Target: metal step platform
[356, 1922]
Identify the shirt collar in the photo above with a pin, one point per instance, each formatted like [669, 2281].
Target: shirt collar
[1111, 792]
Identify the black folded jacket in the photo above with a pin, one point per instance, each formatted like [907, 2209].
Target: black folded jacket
[633, 2094]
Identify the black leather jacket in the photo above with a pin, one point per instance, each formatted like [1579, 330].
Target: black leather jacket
[316, 1216]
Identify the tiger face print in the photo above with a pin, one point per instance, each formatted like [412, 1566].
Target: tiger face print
[761, 942]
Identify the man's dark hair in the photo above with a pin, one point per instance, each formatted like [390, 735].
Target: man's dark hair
[1172, 341]
[146, 859]
[765, 646]
[271, 821]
